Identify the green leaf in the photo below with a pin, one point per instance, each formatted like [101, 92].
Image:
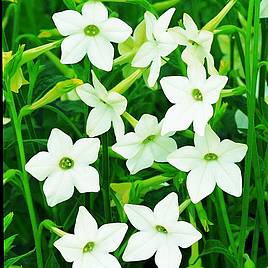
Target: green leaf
[70, 4]
[248, 263]
[8, 244]
[12, 261]
[8, 218]
[52, 261]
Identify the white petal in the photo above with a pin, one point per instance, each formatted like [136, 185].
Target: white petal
[176, 88]
[229, 178]
[168, 255]
[70, 247]
[88, 95]
[101, 53]
[154, 71]
[203, 112]
[74, 48]
[210, 64]
[213, 87]
[86, 179]
[189, 25]
[59, 143]
[110, 236]
[178, 117]
[100, 89]
[197, 75]
[230, 151]
[58, 187]
[118, 125]
[163, 21]
[99, 120]
[167, 44]
[143, 159]
[128, 145]
[208, 143]
[141, 217]
[200, 182]
[85, 225]
[68, 22]
[147, 126]
[145, 55]
[94, 12]
[115, 30]
[264, 9]
[205, 39]
[141, 246]
[185, 158]
[167, 210]
[150, 21]
[179, 35]
[193, 55]
[117, 101]
[184, 234]
[85, 151]
[41, 165]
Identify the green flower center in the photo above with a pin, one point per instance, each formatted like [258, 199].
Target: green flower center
[197, 95]
[192, 42]
[161, 229]
[91, 30]
[210, 157]
[66, 163]
[88, 247]
[149, 139]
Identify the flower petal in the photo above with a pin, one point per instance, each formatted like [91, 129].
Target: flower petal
[86, 179]
[189, 25]
[68, 22]
[168, 255]
[230, 151]
[154, 71]
[118, 125]
[141, 246]
[85, 151]
[162, 23]
[229, 179]
[147, 126]
[176, 88]
[100, 89]
[197, 75]
[117, 101]
[200, 182]
[115, 30]
[205, 39]
[185, 158]
[179, 35]
[101, 53]
[184, 234]
[110, 236]
[85, 226]
[167, 210]
[74, 48]
[94, 12]
[70, 247]
[150, 21]
[141, 217]
[41, 165]
[99, 120]
[88, 95]
[58, 187]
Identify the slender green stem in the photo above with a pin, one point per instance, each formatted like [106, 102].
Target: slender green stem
[105, 182]
[226, 220]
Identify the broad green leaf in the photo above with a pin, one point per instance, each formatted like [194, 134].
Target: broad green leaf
[13, 260]
[8, 243]
[8, 218]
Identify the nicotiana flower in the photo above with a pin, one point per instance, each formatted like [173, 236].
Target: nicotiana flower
[91, 34]
[146, 145]
[210, 162]
[89, 247]
[160, 232]
[193, 98]
[66, 165]
[107, 108]
[160, 44]
[198, 43]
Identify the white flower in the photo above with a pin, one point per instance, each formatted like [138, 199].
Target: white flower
[145, 145]
[66, 165]
[107, 108]
[264, 9]
[91, 34]
[89, 246]
[198, 44]
[160, 44]
[210, 162]
[193, 98]
[160, 232]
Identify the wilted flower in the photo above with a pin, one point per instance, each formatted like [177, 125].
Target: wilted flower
[66, 165]
[210, 162]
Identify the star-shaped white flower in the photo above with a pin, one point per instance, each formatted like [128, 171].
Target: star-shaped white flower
[146, 145]
[91, 34]
[65, 166]
[160, 44]
[198, 44]
[210, 162]
[160, 232]
[107, 108]
[193, 98]
[89, 247]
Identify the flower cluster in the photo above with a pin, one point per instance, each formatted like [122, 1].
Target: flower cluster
[209, 162]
